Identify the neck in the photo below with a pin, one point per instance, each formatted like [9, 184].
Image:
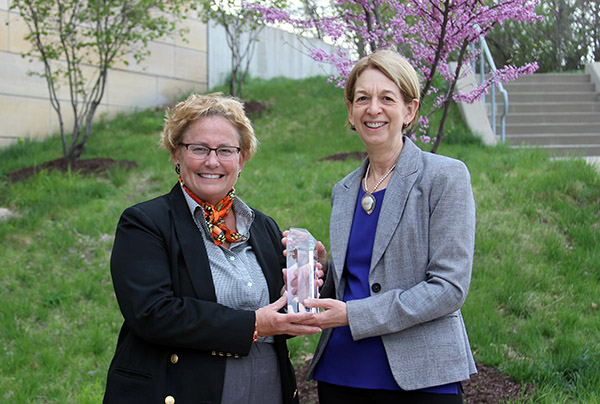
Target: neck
[383, 158]
[380, 165]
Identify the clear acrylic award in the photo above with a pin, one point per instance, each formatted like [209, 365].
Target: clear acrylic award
[301, 258]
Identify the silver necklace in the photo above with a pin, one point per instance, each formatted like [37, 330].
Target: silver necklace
[368, 200]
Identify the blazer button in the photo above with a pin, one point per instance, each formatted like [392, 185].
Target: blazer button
[174, 359]
[376, 288]
[169, 400]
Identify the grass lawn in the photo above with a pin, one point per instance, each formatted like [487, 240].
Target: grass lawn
[532, 310]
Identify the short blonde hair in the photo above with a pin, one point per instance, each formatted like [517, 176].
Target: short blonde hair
[197, 106]
[395, 67]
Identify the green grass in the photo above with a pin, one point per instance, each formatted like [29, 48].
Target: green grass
[532, 310]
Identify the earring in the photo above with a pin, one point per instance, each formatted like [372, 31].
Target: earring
[177, 169]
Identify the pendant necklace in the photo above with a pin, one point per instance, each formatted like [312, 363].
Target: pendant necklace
[368, 200]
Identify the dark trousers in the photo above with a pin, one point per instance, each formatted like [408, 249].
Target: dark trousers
[334, 394]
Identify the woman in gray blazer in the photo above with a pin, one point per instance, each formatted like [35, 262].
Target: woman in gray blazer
[402, 236]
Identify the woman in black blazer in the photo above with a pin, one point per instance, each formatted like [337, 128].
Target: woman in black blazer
[198, 277]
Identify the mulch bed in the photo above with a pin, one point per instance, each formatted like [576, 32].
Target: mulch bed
[84, 166]
[346, 155]
[488, 386]
[254, 109]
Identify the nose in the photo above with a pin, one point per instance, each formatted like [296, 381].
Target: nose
[374, 107]
[212, 160]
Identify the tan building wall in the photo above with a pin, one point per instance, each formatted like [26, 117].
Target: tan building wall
[174, 68]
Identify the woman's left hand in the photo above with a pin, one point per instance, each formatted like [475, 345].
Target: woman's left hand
[321, 264]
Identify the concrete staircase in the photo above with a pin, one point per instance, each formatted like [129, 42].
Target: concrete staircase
[558, 112]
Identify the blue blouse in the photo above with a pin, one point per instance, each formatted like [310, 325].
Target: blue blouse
[363, 363]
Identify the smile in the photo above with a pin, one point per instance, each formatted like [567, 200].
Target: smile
[210, 176]
[374, 125]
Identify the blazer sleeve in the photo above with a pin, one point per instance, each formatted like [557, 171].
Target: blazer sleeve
[441, 265]
[155, 293]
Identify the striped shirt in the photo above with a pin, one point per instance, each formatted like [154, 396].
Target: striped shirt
[237, 277]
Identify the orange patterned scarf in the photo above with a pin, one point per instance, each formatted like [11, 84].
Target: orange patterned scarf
[215, 217]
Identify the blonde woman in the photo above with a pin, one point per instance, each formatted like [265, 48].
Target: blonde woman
[198, 276]
[402, 235]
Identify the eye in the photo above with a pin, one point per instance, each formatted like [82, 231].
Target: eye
[361, 98]
[198, 149]
[226, 151]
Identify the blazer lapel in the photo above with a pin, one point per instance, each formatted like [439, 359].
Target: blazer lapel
[341, 222]
[396, 195]
[259, 237]
[192, 246]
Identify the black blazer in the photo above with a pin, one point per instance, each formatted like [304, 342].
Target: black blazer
[176, 338]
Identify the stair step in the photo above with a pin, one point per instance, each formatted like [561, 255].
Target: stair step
[550, 87]
[544, 117]
[546, 107]
[579, 150]
[557, 128]
[550, 78]
[564, 97]
[553, 139]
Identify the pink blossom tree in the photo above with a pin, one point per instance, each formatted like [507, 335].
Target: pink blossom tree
[430, 33]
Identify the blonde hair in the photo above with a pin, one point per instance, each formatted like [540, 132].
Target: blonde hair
[395, 67]
[197, 106]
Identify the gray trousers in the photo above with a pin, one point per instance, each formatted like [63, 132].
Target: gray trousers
[254, 379]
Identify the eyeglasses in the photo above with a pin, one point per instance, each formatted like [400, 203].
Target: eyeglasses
[200, 152]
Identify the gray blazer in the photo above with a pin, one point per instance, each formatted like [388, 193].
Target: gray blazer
[420, 270]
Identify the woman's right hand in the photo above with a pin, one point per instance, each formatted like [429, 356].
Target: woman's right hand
[271, 322]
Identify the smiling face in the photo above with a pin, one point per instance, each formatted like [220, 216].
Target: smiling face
[209, 178]
[378, 111]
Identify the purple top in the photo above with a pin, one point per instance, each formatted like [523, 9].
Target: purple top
[363, 363]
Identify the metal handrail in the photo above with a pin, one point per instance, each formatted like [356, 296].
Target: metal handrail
[485, 53]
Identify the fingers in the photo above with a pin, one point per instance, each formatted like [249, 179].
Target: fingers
[319, 275]
[318, 303]
[279, 303]
[284, 242]
[322, 255]
[271, 322]
[334, 314]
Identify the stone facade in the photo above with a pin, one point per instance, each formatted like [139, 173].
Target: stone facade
[173, 68]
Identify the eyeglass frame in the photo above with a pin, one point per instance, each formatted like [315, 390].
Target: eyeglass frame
[210, 149]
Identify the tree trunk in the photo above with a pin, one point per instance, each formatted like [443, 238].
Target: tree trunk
[448, 100]
[438, 54]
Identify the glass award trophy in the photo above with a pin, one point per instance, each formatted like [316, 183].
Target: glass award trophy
[301, 258]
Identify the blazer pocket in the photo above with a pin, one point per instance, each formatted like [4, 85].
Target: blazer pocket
[133, 374]
[126, 386]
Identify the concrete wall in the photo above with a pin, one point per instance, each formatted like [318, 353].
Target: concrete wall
[173, 68]
[278, 53]
[475, 114]
[593, 69]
